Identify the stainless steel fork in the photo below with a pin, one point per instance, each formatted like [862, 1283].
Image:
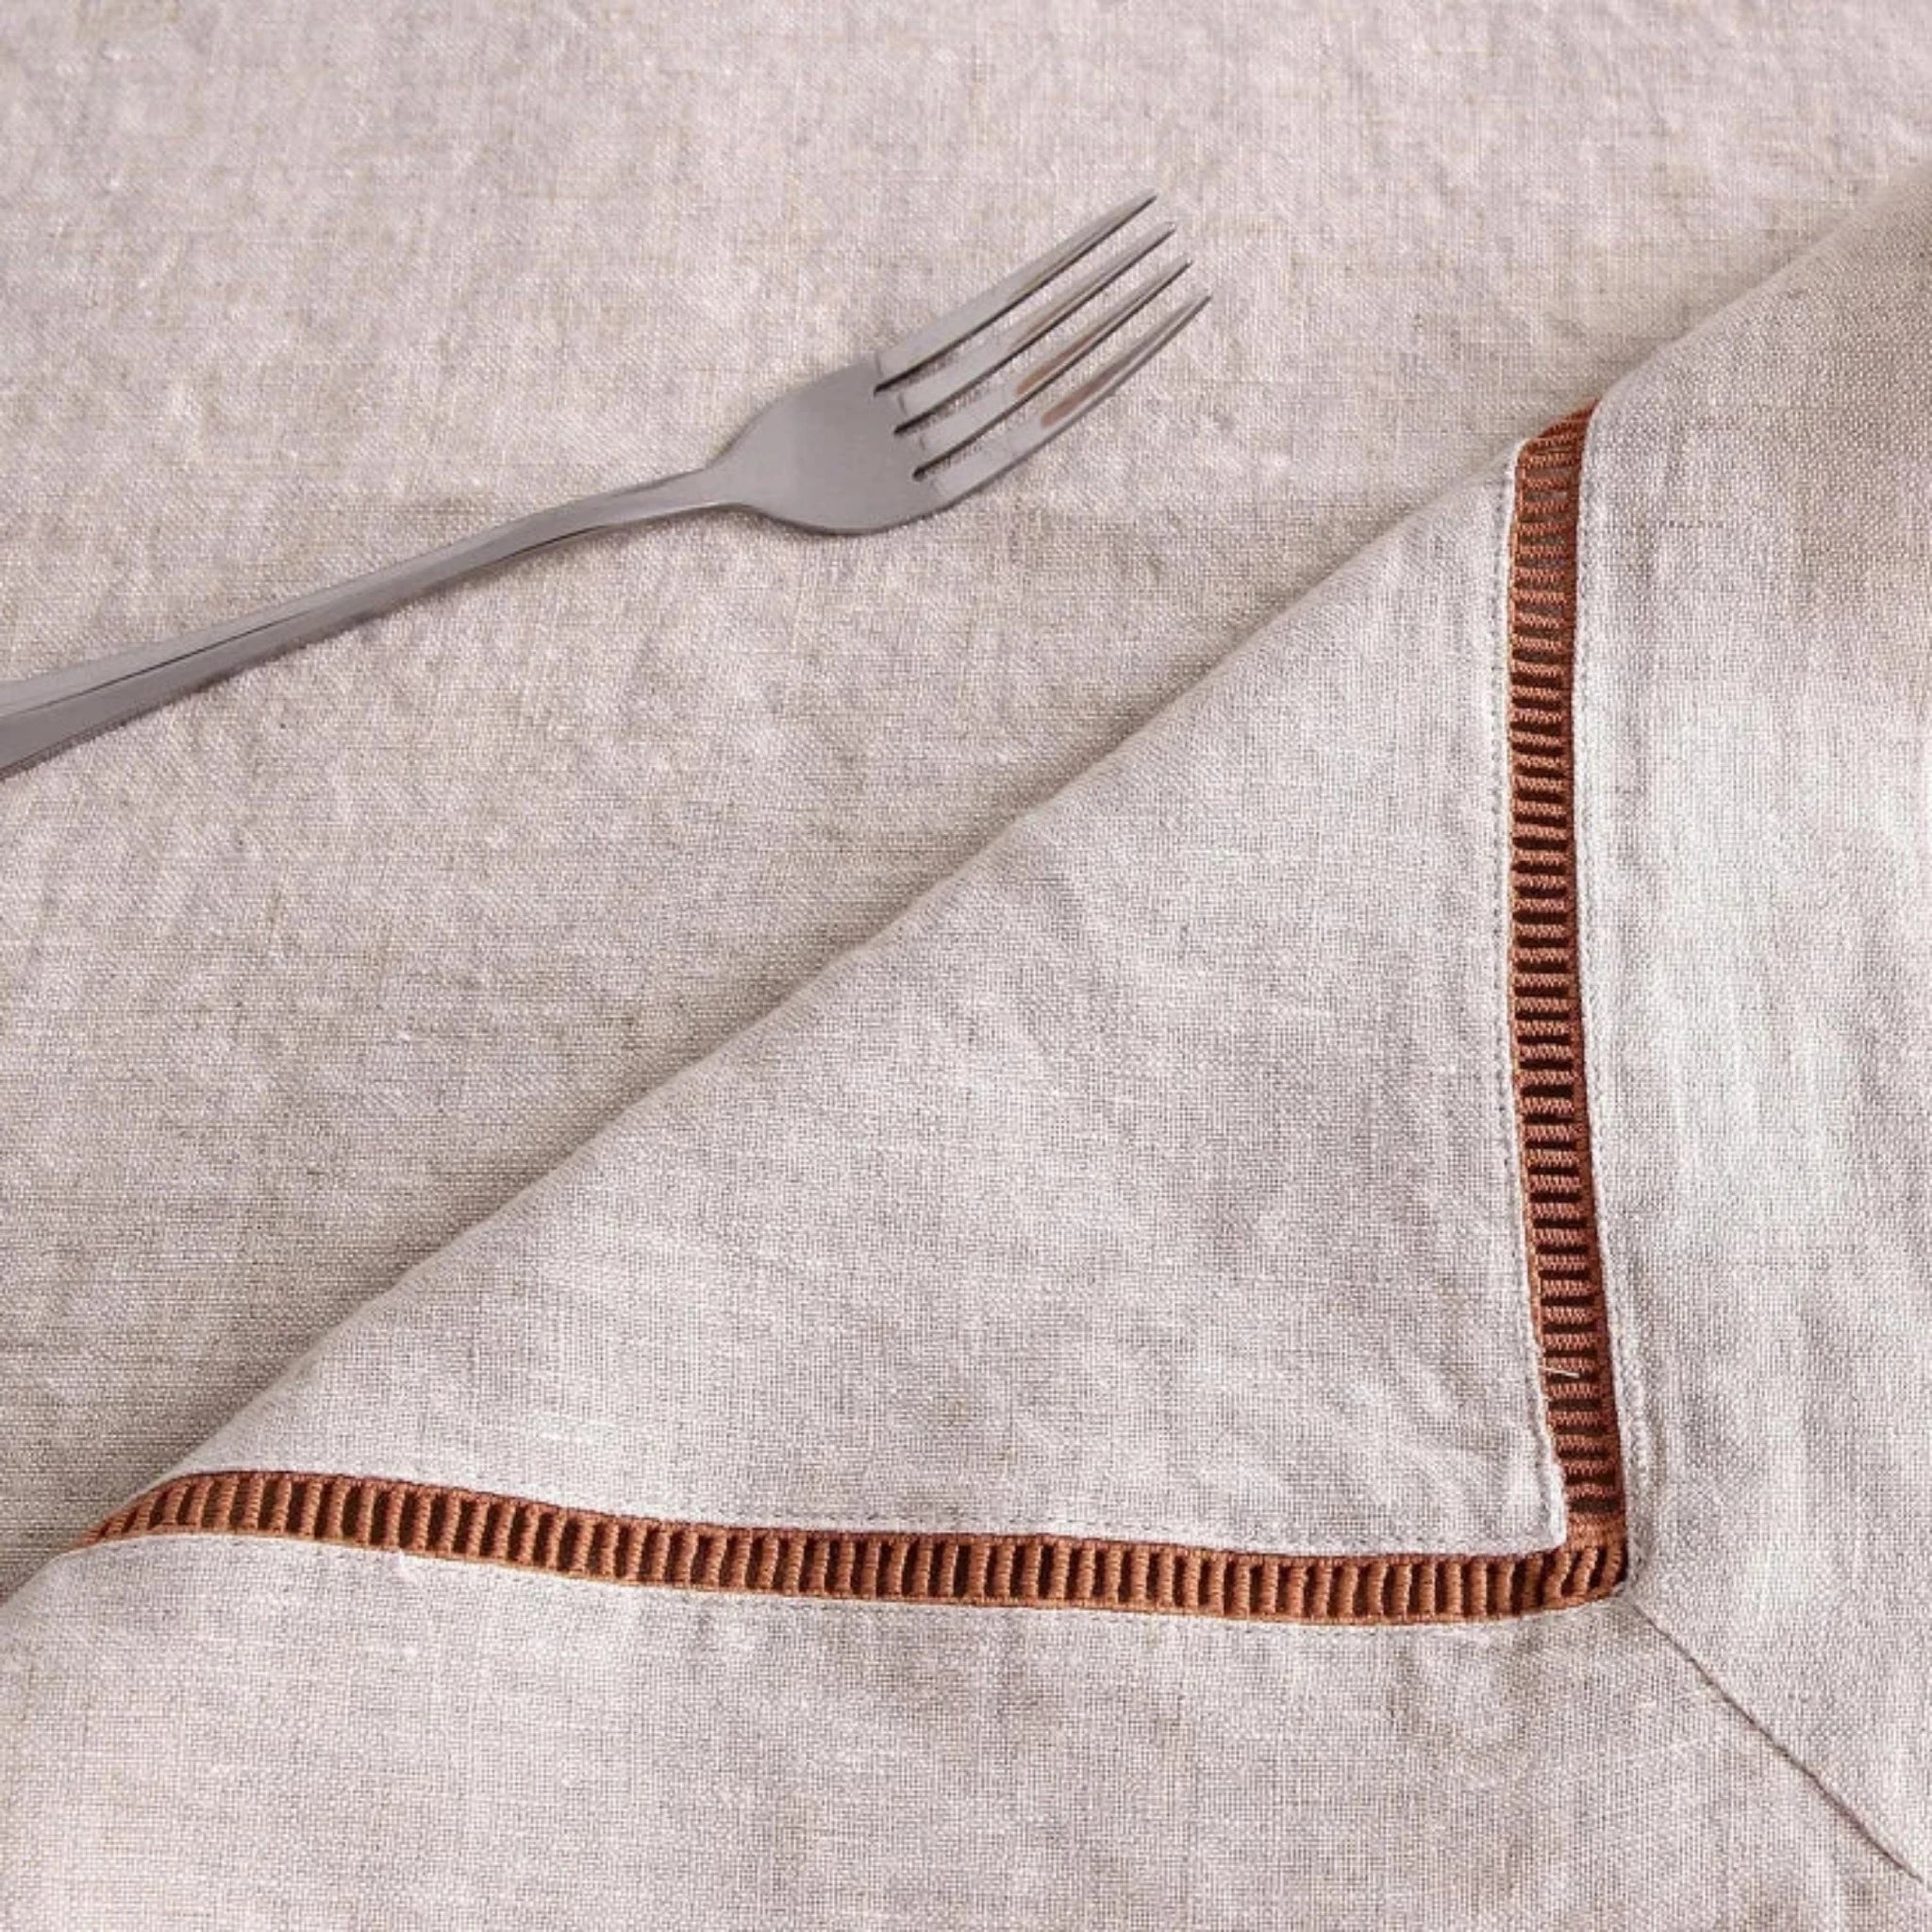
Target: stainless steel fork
[899, 434]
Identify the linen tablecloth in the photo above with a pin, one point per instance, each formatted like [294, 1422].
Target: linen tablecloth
[943, 1151]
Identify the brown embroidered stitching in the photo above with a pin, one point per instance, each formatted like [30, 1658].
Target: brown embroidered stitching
[911, 1566]
[1045, 1572]
[1545, 983]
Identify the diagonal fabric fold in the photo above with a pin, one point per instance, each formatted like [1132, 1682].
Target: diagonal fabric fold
[1155, 1178]
[868, 1557]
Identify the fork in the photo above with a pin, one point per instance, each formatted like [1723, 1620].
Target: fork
[899, 434]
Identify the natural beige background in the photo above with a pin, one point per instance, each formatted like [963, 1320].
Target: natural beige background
[300, 979]
[935, 1142]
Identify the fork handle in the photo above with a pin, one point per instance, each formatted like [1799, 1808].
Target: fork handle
[43, 714]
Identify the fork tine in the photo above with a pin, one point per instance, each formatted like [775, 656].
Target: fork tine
[950, 330]
[926, 394]
[993, 459]
[940, 439]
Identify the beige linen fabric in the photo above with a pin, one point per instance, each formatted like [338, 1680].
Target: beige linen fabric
[300, 980]
[1149, 1175]
[486, 1750]
[1756, 707]
[250, 1731]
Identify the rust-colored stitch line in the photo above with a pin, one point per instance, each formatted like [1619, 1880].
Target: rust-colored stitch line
[938, 1567]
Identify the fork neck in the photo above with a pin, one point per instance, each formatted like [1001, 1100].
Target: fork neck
[665, 496]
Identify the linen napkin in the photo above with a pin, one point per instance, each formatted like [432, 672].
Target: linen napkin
[1329, 1332]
